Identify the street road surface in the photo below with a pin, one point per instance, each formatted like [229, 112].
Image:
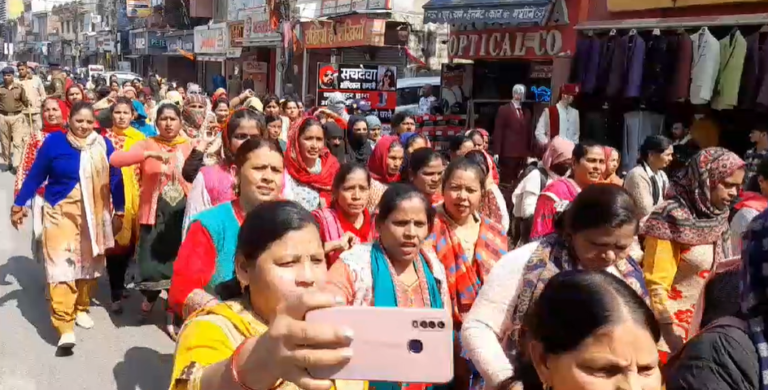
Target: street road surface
[118, 353]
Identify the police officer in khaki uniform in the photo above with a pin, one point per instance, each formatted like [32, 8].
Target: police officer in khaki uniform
[14, 130]
[58, 82]
[35, 91]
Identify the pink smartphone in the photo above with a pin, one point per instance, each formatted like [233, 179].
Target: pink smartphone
[392, 344]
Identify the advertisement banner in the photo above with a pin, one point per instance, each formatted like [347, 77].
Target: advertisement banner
[138, 8]
[373, 84]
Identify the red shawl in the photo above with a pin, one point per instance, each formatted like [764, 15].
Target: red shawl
[377, 164]
[49, 127]
[554, 121]
[299, 171]
[751, 200]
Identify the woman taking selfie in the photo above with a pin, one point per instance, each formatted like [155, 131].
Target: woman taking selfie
[347, 221]
[579, 316]
[123, 137]
[594, 234]
[310, 166]
[80, 193]
[55, 115]
[588, 164]
[259, 339]
[686, 236]
[384, 166]
[206, 256]
[163, 198]
[214, 184]
[425, 171]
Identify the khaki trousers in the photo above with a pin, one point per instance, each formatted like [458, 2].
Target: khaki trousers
[67, 299]
[34, 121]
[14, 133]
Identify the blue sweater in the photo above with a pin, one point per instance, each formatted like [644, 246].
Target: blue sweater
[59, 163]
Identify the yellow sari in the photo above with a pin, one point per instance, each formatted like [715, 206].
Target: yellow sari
[130, 227]
[211, 335]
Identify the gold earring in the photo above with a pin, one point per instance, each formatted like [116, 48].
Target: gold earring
[546, 386]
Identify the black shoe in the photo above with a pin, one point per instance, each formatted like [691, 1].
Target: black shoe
[12, 170]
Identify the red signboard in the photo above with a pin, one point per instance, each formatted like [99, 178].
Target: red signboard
[527, 42]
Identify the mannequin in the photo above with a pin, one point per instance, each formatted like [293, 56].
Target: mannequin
[512, 136]
[561, 119]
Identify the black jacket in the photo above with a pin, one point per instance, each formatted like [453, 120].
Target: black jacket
[721, 358]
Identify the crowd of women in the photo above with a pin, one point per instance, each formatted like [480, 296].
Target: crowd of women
[251, 212]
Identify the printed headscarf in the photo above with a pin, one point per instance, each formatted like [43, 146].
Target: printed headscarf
[193, 119]
[688, 217]
[377, 164]
[294, 165]
[49, 127]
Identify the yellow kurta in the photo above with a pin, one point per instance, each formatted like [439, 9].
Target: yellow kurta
[675, 276]
[211, 336]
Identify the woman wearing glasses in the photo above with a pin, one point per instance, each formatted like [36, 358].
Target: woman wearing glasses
[214, 184]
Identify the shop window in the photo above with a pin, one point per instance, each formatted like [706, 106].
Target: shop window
[408, 96]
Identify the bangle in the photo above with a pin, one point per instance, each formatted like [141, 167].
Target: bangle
[236, 376]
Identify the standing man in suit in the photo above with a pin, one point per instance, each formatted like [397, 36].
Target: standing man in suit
[512, 136]
[560, 119]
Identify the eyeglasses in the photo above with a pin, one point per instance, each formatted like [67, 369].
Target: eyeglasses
[245, 137]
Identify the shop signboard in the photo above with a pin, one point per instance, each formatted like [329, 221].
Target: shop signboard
[138, 8]
[375, 84]
[211, 39]
[260, 72]
[184, 42]
[336, 7]
[527, 43]
[515, 13]
[258, 30]
[236, 33]
[356, 30]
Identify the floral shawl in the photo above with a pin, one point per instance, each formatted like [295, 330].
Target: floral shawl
[466, 276]
[549, 258]
[688, 217]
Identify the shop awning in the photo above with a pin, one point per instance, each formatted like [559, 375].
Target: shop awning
[510, 12]
[671, 23]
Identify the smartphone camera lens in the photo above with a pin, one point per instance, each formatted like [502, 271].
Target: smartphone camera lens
[415, 324]
[431, 324]
[415, 346]
[423, 324]
[441, 325]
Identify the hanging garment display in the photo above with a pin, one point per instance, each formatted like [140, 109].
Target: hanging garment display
[680, 50]
[627, 67]
[705, 66]
[754, 84]
[658, 69]
[733, 50]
